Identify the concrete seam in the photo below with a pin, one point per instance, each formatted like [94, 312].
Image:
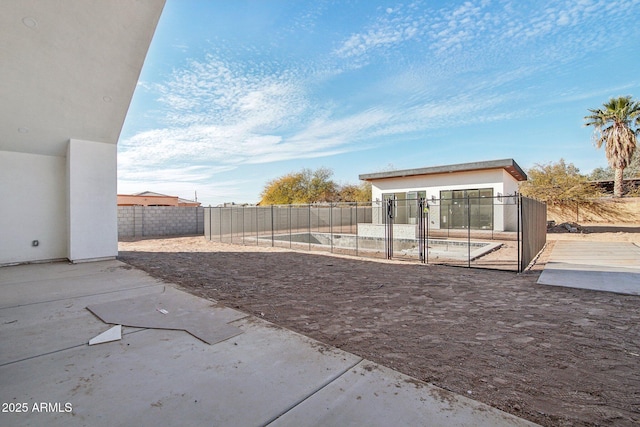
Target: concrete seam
[79, 296]
[327, 383]
[62, 349]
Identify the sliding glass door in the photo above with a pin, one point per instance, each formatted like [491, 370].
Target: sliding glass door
[455, 213]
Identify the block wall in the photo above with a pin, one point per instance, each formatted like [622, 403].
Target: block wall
[141, 221]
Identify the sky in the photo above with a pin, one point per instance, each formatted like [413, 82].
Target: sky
[234, 94]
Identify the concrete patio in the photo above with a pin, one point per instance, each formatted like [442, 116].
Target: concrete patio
[266, 375]
[599, 266]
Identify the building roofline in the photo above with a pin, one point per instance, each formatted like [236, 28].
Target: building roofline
[149, 194]
[509, 165]
[181, 200]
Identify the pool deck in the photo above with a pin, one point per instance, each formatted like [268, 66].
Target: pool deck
[599, 266]
[266, 375]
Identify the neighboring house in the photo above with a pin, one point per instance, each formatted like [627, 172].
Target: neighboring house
[488, 187]
[149, 198]
[69, 69]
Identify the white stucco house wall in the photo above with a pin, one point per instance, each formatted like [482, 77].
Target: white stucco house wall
[490, 186]
[68, 71]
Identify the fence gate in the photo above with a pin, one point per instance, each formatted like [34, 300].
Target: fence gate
[388, 229]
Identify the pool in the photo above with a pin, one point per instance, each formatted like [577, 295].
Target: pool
[438, 248]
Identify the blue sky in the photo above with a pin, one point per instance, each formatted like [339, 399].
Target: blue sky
[236, 93]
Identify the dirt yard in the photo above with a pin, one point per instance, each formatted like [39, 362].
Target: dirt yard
[555, 356]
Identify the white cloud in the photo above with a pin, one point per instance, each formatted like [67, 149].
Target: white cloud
[479, 26]
[222, 115]
[383, 35]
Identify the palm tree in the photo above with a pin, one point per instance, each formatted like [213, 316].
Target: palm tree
[616, 126]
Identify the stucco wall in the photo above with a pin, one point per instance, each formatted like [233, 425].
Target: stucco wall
[502, 183]
[92, 201]
[32, 190]
[433, 184]
[67, 204]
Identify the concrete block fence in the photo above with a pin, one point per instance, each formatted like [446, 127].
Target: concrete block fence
[141, 221]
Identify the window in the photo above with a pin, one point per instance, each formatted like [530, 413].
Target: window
[467, 208]
[412, 205]
[405, 205]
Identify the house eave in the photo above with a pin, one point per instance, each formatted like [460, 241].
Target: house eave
[508, 165]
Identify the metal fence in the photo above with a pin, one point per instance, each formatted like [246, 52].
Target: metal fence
[534, 229]
[481, 232]
[311, 227]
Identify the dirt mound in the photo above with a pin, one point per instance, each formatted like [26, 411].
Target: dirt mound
[565, 227]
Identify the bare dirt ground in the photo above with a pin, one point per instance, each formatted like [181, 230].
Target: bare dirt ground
[555, 356]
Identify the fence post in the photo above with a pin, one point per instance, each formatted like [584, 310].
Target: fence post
[518, 219]
[351, 219]
[272, 230]
[468, 231]
[356, 228]
[420, 217]
[309, 206]
[426, 243]
[331, 225]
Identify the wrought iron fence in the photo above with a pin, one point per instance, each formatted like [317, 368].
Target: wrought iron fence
[484, 232]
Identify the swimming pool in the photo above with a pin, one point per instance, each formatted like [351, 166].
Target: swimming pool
[438, 248]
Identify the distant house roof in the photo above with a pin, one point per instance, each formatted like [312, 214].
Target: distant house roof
[149, 198]
[507, 164]
[151, 193]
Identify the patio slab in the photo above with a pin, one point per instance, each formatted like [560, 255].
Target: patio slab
[600, 266]
[37, 283]
[154, 377]
[162, 377]
[370, 394]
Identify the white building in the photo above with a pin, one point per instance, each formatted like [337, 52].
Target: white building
[68, 71]
[486, 190]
